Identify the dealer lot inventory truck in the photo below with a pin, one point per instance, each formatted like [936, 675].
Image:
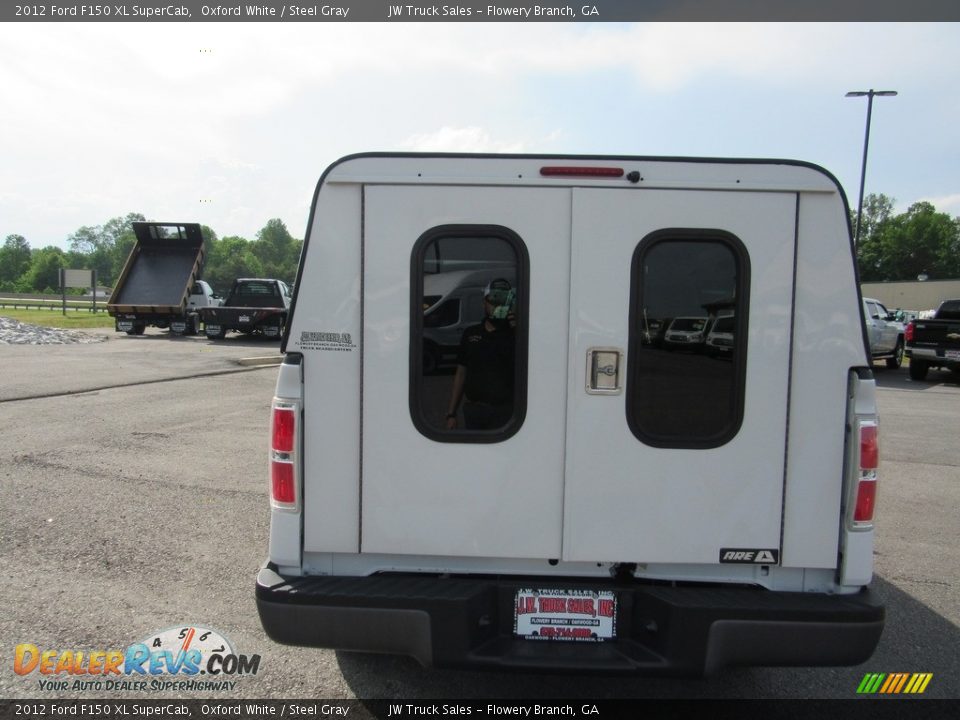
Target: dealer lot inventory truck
[885, 334]
[254, 305]
[632, 510]
[935, 342]
[160, 282]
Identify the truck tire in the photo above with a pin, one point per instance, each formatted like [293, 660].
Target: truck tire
[193, 325]
[918, 369]
[219, 334]
[137, 329]
[897, 359]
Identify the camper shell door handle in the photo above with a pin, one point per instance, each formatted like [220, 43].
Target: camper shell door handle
[604, 366]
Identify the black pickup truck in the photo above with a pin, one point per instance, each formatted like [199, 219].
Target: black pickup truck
[935, 342]
[254, 305]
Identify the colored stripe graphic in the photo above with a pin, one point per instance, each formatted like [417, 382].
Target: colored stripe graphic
[870, 683]
[894, 683]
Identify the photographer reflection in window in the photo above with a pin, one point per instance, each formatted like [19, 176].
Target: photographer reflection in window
[485, 363]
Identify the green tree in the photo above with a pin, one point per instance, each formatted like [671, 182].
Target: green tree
[14, 260]
[106, 246]
[44, 271]
[118, 257]
[277, 250]
[229, 259]
[119, 233]
[118, 228]
[209, 239]
[86, 240]
[919, 240]
[949, 264]
[877, 211]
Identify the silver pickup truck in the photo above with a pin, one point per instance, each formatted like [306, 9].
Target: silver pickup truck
[884, 332]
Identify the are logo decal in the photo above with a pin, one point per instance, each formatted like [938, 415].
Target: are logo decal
[750, 556]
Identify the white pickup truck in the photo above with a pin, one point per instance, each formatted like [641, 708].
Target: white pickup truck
[573, 495]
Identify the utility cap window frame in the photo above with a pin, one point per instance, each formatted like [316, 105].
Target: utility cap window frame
[426, 413]
[677, 395]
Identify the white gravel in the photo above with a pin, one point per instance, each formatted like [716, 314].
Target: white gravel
[14, 332]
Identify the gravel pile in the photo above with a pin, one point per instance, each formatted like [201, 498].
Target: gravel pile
[14, 332]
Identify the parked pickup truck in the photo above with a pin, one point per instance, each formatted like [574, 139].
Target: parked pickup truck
[159, 284]
[254, 305]
[575, 497]
[885, 333]
[935, 343]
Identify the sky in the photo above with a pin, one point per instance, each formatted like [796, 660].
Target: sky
[232, 124]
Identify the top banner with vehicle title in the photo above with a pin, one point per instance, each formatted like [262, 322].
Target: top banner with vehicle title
[498, 11]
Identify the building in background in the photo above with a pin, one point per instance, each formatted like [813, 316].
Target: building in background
[912, 295]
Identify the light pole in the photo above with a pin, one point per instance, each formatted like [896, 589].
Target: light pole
[866, 143]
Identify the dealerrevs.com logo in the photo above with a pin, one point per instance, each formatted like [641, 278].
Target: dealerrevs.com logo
[181, 658]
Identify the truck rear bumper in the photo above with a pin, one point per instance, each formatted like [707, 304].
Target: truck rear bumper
[935, 356]
[454, 622]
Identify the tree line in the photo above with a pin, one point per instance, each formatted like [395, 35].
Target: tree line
[890, 247]
[273, 253]
[903, 246]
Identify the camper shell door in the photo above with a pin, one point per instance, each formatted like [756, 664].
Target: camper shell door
[618, 450]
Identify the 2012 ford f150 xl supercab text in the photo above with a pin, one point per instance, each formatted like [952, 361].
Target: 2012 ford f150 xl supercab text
[570, 495]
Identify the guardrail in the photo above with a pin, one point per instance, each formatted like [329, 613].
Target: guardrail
[27, 303]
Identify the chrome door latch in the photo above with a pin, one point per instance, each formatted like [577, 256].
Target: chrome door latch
[604, 366]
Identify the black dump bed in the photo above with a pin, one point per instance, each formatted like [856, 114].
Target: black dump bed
[251, 301]
[256, 293]
[253, 304]
[161, 268]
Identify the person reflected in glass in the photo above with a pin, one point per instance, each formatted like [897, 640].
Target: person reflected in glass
[485, 364]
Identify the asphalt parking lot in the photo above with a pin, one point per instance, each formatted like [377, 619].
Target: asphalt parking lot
[133, 500]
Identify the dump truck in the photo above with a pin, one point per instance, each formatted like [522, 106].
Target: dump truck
[160, 283]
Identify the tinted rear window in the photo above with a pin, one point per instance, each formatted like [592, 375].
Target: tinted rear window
[687, 399]
[950, 310]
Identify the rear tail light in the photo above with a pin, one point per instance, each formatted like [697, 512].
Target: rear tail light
[284, 483]
[909, 330]
[868, 460]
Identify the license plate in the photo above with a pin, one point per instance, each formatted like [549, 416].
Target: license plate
[952, 354]
[124, 325]
[570, 615]
[244, 318]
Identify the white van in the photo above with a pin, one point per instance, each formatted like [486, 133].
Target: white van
[720, 338]
[452, 302]
[627, 508]
[686, 333]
